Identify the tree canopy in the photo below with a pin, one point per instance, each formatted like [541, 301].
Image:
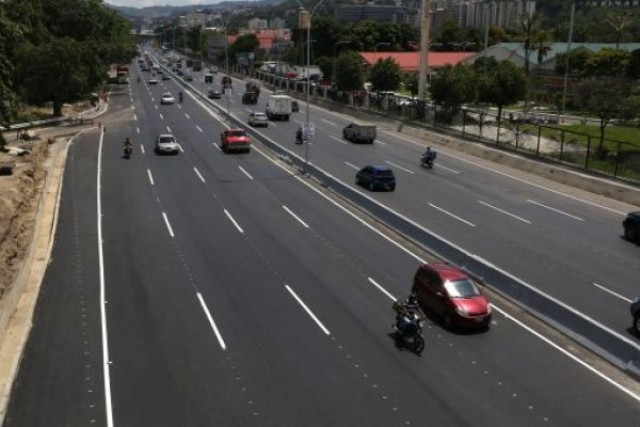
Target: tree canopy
[58, 50]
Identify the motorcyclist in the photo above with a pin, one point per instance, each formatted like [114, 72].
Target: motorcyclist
[180, 96]
[429, 156]
[408, 313]
[128, 146]
[299, 135]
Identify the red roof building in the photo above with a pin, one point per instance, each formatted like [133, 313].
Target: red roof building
[409, 63]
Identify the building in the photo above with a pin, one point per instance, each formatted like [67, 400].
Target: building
[409, 61]
[351, 13]
[507, 14]
[193, 20]
[258, 24]
[277, 24]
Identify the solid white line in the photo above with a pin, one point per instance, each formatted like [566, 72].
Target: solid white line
[198, 173]
[150, 177]
[555, 210]
[199, 129]
[338, 139]
[187, 115]
[212, 322]
[166, 221]
[351, 165]
[161, 116]
[295, 216]
[504, 212]
[328, 122]
[309, 312]
[245, 172]
[169, 129]
[615, 294]
[383, 290]
[103, 303]
[399, 167]
[569, 354]
[452, 215]
[233, 221]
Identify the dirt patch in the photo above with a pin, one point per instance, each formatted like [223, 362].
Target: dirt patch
[18, 203]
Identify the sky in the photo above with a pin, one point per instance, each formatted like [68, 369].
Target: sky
[147, 3]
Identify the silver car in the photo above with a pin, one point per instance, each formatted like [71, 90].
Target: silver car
[167, 144]
[258, 119]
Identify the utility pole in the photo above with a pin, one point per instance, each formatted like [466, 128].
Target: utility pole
[424, 48]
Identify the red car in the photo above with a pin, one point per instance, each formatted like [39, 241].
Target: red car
[235, 140]
[451, 294]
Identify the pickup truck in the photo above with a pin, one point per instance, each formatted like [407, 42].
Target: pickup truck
[235, 140]
[359, 132]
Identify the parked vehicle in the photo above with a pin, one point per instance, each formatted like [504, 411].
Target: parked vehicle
[376, 177]
[234, 140]
[631, 225]
[279, 107]
[358, 131]
[452, 295]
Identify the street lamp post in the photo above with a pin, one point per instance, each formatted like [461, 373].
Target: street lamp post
[305, 20]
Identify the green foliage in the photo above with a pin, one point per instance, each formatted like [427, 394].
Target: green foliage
[385, 75]
[58, 50]
[578, 59]
[453, 87]
[350, 72]
[608, 62]
[504, 86]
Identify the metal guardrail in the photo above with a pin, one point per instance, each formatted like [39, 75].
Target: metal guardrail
[49, 122]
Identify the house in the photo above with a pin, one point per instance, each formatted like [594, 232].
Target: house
[409, 61]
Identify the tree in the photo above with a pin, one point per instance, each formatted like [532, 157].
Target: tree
[608, 62]
[246, 43]
[578, 59]
[604, 97]
[350, 74]
[55, 71]
[541, 45]
[529, 31]
[633, 67]
[452, 87]
[503, 86]
[385, 75]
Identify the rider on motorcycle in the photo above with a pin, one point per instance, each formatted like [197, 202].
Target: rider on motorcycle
[429, 156]
[408, 313]
[180, 96]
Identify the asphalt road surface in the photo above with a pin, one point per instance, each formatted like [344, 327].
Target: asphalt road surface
[213, 289]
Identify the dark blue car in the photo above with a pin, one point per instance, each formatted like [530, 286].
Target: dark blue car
[376, 177]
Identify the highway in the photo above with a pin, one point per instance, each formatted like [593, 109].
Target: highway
[564, 242]
[213, 289]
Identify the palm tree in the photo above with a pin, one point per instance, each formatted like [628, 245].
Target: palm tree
[541, 45]
[530, 27]
[619, 24]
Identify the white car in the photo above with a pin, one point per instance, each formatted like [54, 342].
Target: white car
[258, 119]
[167, 144]
[167, 98]
[153, 81]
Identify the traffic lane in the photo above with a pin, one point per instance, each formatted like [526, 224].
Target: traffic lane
[60, 372]
[301, 251]
[162, 343]
[464, 220]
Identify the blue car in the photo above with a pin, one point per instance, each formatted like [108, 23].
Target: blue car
[376, 177]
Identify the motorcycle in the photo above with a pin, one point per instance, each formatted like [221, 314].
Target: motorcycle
[180, 96]
[300, 139]
[127, 151]
[426, 161]
[408, 329]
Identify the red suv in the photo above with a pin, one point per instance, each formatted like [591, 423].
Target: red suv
[452, 295]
